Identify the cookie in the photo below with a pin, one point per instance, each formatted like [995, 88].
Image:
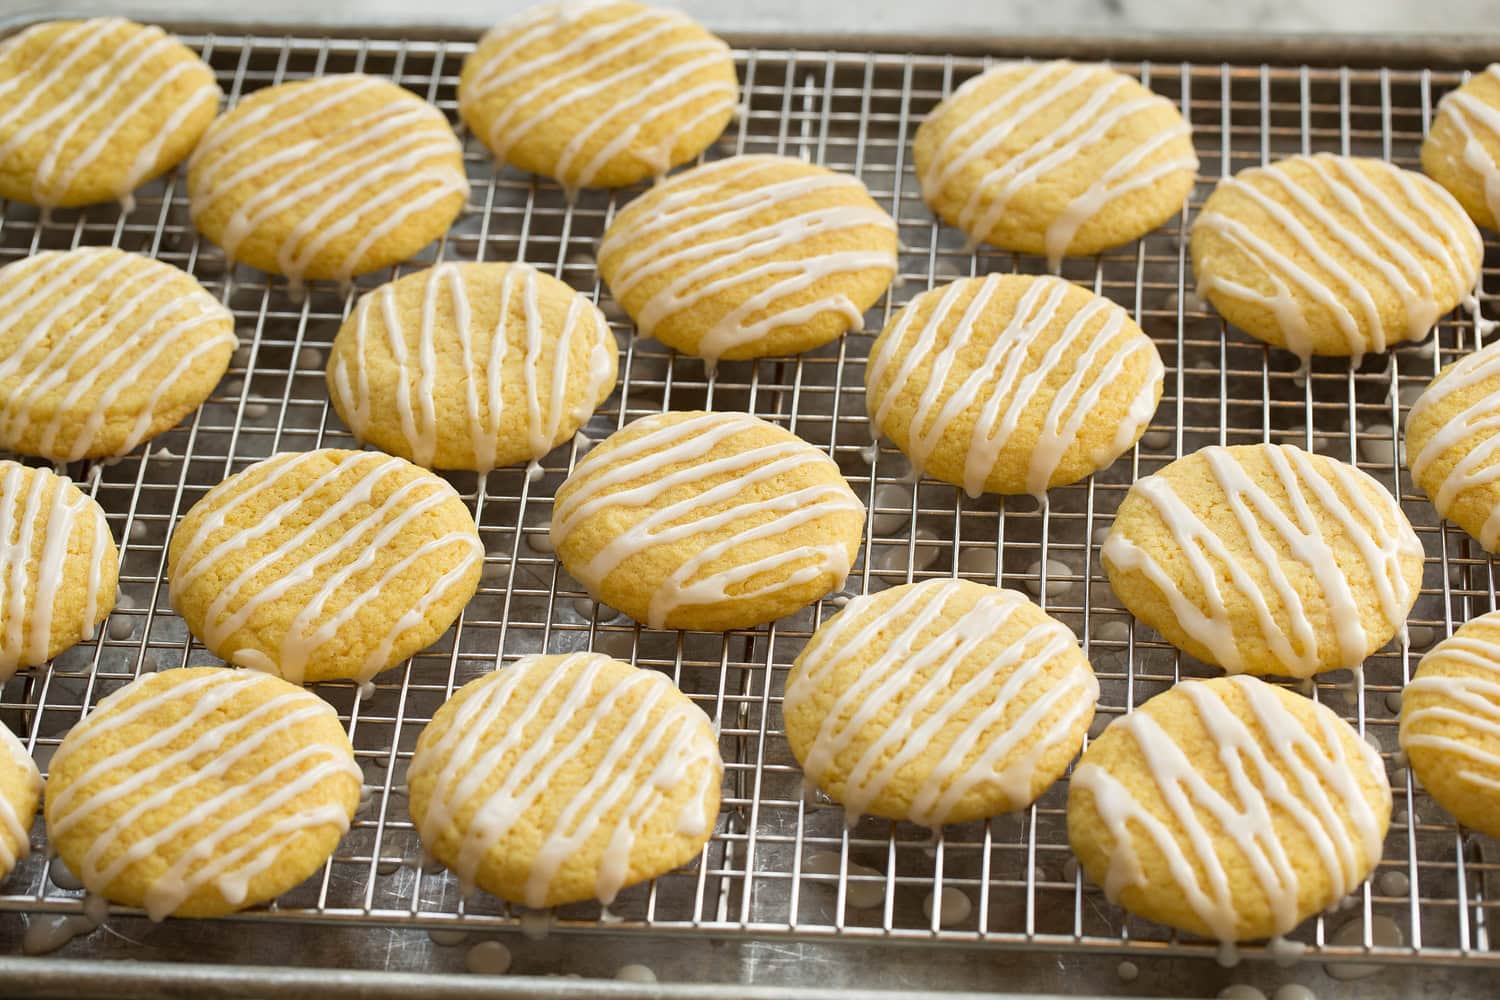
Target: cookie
[564, 778]
[938, 702]
[706, 521]
[1054, 158]
[1265, 559]
[199, 791]
[327, 178]
[1333, 255]
[20, 791]
[1012, 383]
[1462, 150]
[1450, 723]
[90, 110]
[1451, 442]
[598, 94]
[471, 366]
[749, 257]
[58, 567]
[324, 565]
[1228, 808]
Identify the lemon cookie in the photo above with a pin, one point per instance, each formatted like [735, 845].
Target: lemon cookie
[327, 178]
[1265, 559]
[706, 521]
[90, 110]
[1229, 808]
[1452, 444]
[1333, 255]
[471, 366]
[938, 702]
[564, 778]
[58, 567]
[1054, 158]
[20, 791]
[598, 94]
[1012, 383]
[324, 565]
[199, 791]
[749, 257]
[1462, 151]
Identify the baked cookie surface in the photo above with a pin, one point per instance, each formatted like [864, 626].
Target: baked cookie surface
[1333, 255]
[1055, 158]
[1462, 149]
[471, 366]
[20, 791]
[1011, 383]
[749, 257]
[1452, 437]
[102, 349]
[1265, 559]
[598, 94]
[324, 565]
[706, 521]
[1229, 808]
[90, 110]
[564, 778]
[199, 791]
[327, 178]
[938, 702]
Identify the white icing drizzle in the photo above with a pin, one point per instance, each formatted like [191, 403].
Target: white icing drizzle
[682, 223]
[15, 829]
[628, 780]
[310, 555]
[1319, 492]
[547, 364]
[662, 441]
[1470, 699]
[920, 665]
[187, 758]
[1282, 772]
[1008, 381]
[1472, 116]
[1474, 430]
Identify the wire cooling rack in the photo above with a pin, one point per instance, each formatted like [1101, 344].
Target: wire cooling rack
[781, 863]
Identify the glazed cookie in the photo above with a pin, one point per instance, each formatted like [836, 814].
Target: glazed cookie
[58, 567]
[706, 521]
[200, 791]
[1265, 559]
[102, 349]
[20, 791]
[749, 257]
[1229, 808]
[1334, 255]
[564, 778]
[1452, 444]
[1012, 383]
[90, 110]
[324, 565]
[327, 178]
[938, 702]
[471, 366]
[1055, 158]
[1462, 152]
[598, 94]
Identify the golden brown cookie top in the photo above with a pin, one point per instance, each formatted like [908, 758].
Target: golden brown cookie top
[1462, 150]
[1448, 435]
[20, 790]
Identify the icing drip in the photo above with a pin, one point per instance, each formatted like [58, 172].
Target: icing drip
[1473, 117]
[1467, 700]
[15, 829]
[1470, 432]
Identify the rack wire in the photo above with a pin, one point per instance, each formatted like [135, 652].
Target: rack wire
[781, 862]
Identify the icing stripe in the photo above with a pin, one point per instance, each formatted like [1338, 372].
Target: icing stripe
[15, 829]
[1473, 116]
[1467, 697]
[1471, 432]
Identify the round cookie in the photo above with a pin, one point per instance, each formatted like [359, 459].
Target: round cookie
[471, 366]
[564, 778]
[20, 791]
[324, 565]
[749, 257]
[706, 521]
[90, 110]
[199, 791]
[1462, 150]
[1333, 255]
[1012, 383]
[1265, 559]
[1054, 158]
[102, 349]
[58, 567]
[1229, 808]
[938, 702]
[598, 94]
[1452, 442]
[327, 178]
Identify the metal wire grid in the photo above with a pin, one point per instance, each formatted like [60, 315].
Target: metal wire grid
[781, 862]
